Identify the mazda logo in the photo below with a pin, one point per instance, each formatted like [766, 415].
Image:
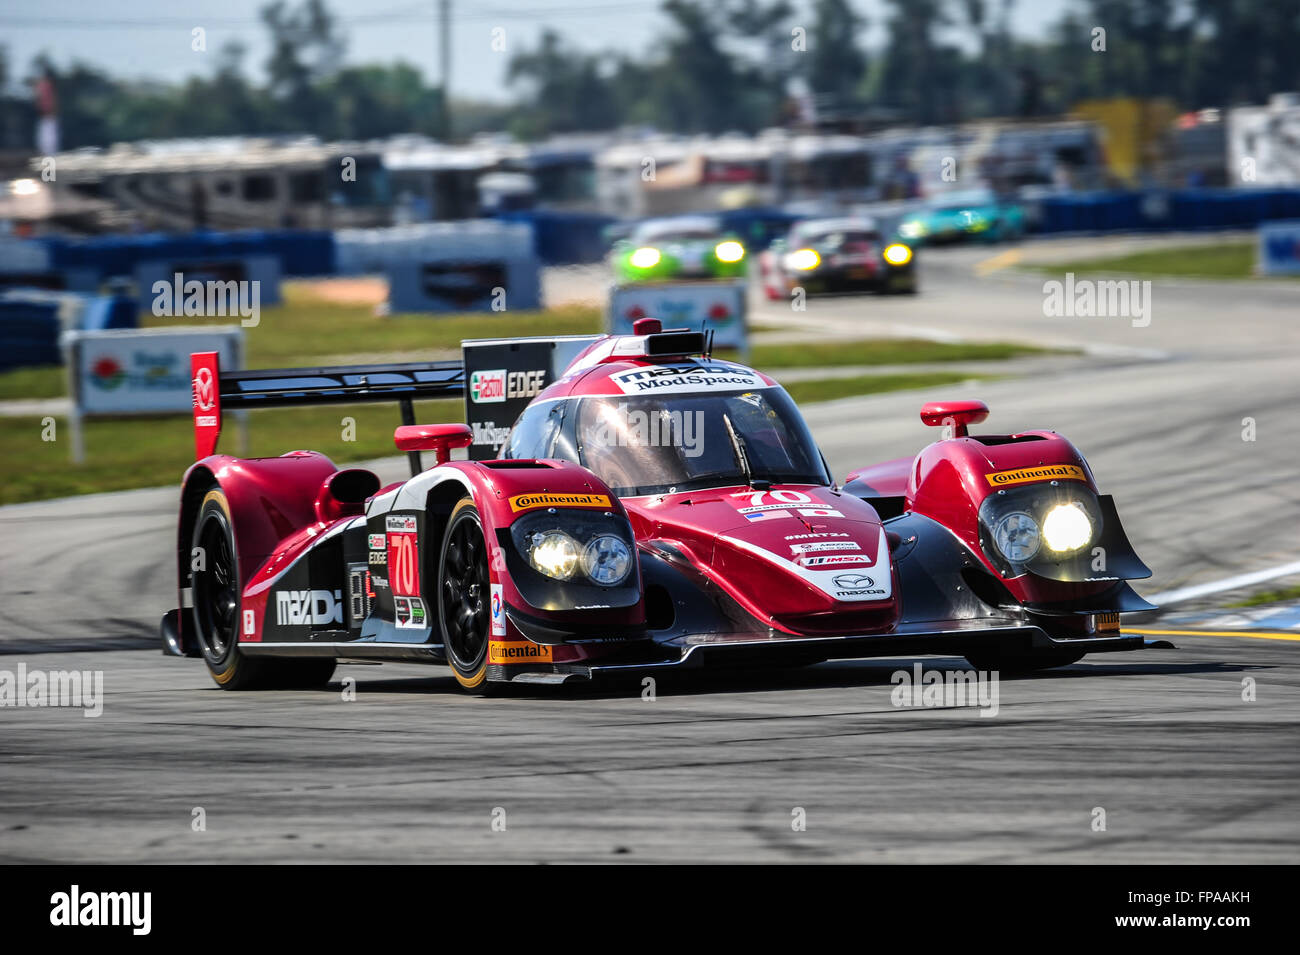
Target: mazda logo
[852, 581]
[203, 389]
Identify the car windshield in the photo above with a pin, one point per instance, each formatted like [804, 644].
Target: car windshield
[960, 202]
[681, 235]
[653, 444]
[841, 239]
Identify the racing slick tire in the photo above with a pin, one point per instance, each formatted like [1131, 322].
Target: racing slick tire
[1023, 662]
[216, 587]
[465, 594]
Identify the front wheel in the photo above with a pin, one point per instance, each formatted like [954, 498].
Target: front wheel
[1024, 662]
[463, 606]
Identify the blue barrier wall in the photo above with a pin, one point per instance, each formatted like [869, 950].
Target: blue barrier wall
[565, 238]
[1156, 210]
[29, 334]
[300, 252]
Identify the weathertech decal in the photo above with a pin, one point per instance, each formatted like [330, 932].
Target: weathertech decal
[1062, 472]
[524, 502]
[517, 651]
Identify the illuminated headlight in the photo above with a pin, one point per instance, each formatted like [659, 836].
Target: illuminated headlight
[803, 260]
[912, 229]
[1017, 536]
[1066, 528]
[554, 553]
[897, 254]
[729, 251]
[646, 257]
[606, 560]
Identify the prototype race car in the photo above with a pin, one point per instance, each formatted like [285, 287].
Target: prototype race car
[653, 508]
[681, 247]
[975, 215]
[836, 255]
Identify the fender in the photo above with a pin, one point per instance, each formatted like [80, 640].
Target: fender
[504, 492]
[953, 478]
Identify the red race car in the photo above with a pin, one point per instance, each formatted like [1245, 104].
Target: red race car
[651, 509]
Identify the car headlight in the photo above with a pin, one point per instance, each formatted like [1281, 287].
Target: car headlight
[646, 257]
[803, 259]
[729, 251]
[897, 254]
[554, 553]
[1066, 528]
[606, 560]
[912, 229]
[1017, 536]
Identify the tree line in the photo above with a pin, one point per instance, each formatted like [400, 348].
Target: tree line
[716, 66]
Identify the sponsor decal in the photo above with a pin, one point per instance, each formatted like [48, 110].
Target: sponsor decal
[826, 560]
[856, 587]
[410, 613]
[490, 387]
[518, 651]
[697, 376]
[205, 392]
[498, 611]
[378, 557]
[524, 502]
[823, 546]
[315, 607]
[377, 542]
[489, 434]
[402, 523]
[818, 534]
[487, 387]
[206, 420]
[820, 512]
[763, 507]
[404, 564]
[1050, 472]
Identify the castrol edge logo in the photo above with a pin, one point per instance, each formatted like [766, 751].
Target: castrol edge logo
[1051, 472]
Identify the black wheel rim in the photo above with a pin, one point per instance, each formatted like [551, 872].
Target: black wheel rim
[465, 594]
[216, 590]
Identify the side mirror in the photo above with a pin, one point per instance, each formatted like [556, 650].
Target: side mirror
[438, 438]
[959, 414]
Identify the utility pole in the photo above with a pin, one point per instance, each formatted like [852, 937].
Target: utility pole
[444, 38]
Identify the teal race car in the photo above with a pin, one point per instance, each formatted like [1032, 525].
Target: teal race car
[975, 215]
[682, 247]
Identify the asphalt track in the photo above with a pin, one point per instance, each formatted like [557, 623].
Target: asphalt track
[712, 769]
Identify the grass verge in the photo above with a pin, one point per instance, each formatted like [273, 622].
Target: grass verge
[1228, 260]
[1283, 595]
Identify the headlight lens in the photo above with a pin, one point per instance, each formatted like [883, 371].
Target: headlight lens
[606, 560]
[554, 553]
[897, 254]
[1066, 528]
[729, 251]
[1016, 535]
[803, 259]
[646, 257]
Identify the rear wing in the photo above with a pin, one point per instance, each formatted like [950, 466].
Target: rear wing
[215, 390]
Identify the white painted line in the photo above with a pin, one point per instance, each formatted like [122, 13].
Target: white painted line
[1227, 583]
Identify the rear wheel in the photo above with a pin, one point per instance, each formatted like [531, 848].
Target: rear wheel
[216, 590]
[464, 612]
[1024, 662]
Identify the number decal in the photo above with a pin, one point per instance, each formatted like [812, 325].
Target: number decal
[403, 565]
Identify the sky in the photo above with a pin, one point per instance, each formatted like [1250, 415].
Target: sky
[153, 39]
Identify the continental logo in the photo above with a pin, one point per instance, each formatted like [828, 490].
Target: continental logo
[524, 502]
[1050, 472]
[517, 651]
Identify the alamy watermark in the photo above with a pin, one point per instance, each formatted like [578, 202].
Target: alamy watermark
[1086, 298]
[945, 688]
[211, 299]
[37, 688]
[633, 428]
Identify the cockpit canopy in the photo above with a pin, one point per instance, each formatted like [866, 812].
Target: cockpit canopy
[660, 443]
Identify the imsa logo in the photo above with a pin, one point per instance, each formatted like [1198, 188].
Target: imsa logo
[294, 608]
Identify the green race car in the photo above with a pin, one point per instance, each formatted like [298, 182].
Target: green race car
[976, 215]
[683, 247]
